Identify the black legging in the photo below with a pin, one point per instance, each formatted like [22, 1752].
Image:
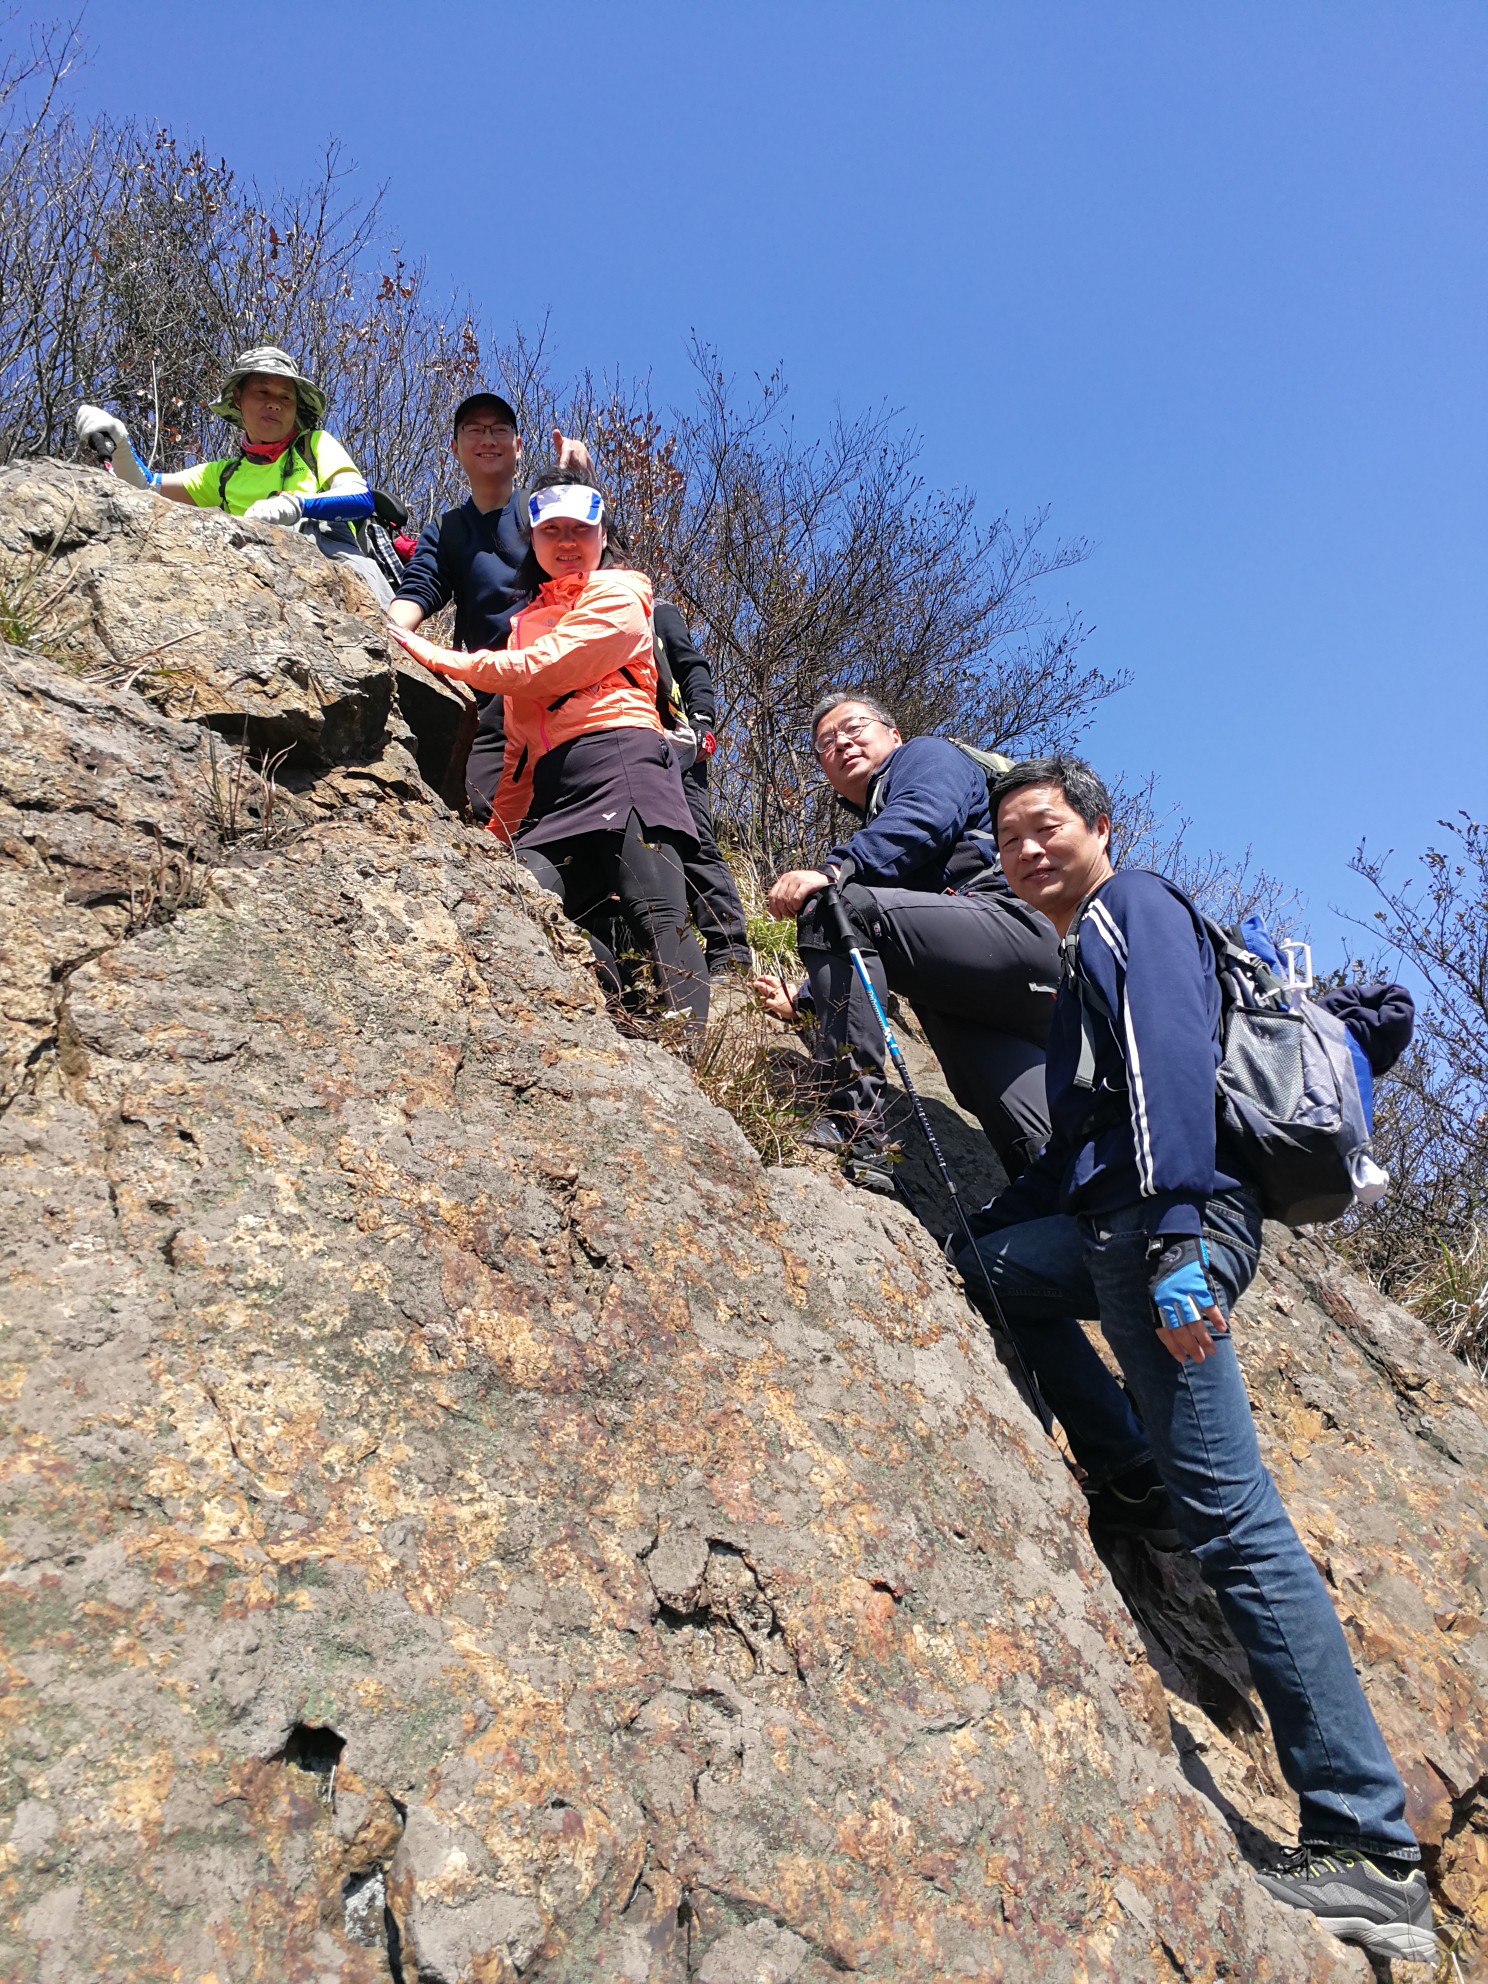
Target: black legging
[979, 970]
[645, 871]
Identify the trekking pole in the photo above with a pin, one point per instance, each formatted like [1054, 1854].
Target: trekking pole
[838, 926]
[103, 446]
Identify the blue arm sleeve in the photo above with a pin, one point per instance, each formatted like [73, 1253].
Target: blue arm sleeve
[335, 506]
[151, 475]
[1138, 944]
[424, 581]
[932, 792]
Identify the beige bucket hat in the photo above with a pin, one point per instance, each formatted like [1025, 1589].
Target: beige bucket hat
[279, 365]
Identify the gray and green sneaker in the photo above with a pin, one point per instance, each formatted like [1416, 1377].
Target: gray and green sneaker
[1358, 1900]
[866, 1160]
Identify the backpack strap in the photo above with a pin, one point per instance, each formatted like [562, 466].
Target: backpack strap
[668, 695]
[1089, 997]
[305, 453]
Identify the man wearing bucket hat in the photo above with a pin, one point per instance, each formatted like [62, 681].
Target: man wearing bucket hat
[472, 554]
[288, 470]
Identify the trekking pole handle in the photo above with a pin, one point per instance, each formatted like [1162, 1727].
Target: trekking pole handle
[832, 912]
[833, 917]
[103, 446]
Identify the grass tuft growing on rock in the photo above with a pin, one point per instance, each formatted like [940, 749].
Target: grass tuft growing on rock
[1450, 1295]
[172, 881]
[249, 808]
[746, 1067]
[32, 603]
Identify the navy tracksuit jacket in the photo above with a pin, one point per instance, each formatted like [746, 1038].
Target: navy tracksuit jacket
[1147, 1130]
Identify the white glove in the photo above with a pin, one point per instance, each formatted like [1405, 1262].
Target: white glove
[94, 425]
[281, 509]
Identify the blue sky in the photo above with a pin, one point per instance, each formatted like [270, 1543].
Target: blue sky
[1206, 280]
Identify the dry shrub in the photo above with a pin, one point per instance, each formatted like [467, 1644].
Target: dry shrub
[1427, 1242]
[745, 1066]
[1450, 1292]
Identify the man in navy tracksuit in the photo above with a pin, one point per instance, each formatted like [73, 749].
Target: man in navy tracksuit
[1128, 1218]
[937, 923]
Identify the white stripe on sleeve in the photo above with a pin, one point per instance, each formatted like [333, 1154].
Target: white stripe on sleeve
[1106, 924]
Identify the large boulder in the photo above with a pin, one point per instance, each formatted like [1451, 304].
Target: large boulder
[241, 626]
[467, 1519]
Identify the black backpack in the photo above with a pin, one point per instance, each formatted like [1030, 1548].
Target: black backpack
[675, 721]
[375, 535]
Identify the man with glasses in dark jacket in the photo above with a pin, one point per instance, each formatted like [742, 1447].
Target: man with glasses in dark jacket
[937, 923]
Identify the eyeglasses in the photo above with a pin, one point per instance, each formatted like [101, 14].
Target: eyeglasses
[826, 741]
[490, 430]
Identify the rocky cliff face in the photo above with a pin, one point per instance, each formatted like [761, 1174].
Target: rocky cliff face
[465, 1518]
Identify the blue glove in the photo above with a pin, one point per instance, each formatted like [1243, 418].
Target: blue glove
[1178, 1276]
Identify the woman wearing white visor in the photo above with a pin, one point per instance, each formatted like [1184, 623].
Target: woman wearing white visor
[590, 793]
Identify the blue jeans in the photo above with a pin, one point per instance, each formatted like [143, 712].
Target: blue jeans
[1196, 1420]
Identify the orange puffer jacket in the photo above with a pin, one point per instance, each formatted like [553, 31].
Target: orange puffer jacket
[580, 659]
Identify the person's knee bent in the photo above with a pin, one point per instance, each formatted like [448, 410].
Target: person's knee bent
[544, 872]
[859, 904]
[653, 880]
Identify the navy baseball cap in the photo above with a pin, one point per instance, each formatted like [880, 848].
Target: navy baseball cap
[482, 403]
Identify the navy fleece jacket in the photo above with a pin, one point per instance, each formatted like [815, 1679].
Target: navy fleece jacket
[470, 556]
[926, 824]
[1147, 1131]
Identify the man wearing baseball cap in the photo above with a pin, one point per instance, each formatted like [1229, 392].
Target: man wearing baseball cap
[471, 554]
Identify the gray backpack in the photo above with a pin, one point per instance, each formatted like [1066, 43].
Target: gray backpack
[1290, 1114]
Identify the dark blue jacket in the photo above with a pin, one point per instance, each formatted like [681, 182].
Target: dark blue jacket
[1381, 1018]
[690, 670]
[1147, 1131]
[926, 824]
[470, 556]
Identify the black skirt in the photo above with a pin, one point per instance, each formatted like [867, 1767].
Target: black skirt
[592, 785]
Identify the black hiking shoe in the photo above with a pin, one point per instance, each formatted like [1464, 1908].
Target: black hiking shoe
[1358, 1900]
[865, 1161]
[1135, 1504]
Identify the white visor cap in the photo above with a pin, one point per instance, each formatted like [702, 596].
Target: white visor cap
[566, 499]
